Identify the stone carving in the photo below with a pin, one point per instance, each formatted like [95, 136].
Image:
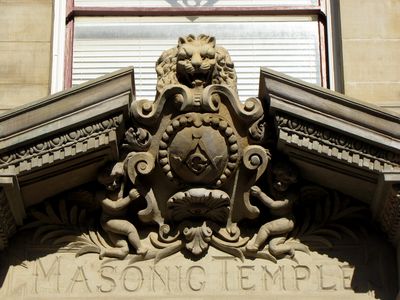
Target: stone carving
[196, 162]
[207, 144]
[324, 217]
[138, 139]
[196, 62]
[281, 207]
[189, 171]
[67, 225]
[113, 218]
[202, 144]
[198, 186]
[213, 204]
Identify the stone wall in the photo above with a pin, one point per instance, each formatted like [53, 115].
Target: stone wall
[371, 55]
[370, 37]
[25, 51]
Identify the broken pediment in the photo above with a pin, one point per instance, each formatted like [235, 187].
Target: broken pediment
[197, 192]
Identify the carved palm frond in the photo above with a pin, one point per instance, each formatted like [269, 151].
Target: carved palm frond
[66, 226]
[329, 218]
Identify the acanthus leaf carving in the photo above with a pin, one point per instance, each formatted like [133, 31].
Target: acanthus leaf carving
[197, 237]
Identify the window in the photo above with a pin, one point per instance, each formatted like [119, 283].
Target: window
[286, 35]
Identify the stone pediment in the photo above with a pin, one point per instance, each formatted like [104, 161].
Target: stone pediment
[338, 142]
[197, 185]
[59, 142]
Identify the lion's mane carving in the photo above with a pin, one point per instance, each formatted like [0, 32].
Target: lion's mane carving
[196, 60]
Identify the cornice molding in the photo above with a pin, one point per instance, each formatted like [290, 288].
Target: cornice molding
[59, 147]
[330, 143]
[329, 109]
[90, 101]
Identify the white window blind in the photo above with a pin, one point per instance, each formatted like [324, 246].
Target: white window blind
[103, 45]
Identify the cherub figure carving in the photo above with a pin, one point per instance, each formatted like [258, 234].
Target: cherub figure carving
[280, 203]
[113, 217]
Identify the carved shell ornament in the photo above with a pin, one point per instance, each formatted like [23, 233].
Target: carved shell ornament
[194, 156]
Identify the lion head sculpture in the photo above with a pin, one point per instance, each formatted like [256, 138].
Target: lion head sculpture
[196, 61]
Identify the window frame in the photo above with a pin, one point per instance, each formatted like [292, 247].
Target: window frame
[318, 11]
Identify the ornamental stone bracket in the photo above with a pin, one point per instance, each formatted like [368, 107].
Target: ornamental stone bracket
[338, 142]
[386, 202]
[198, 192]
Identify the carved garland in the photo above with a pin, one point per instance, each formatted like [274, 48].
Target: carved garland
[317, 138]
